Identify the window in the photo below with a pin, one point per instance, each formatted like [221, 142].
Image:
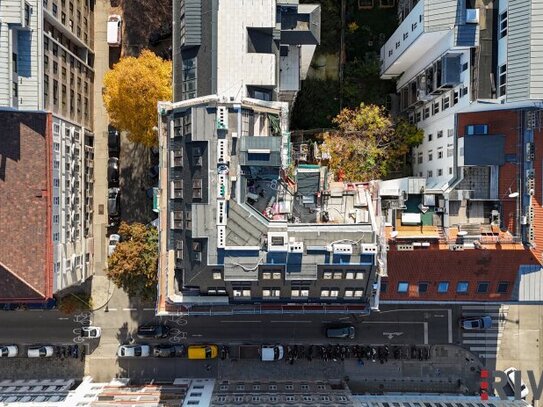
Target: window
[403, 286]
[482, 287]
[503, 24]
[398, 44]
[430, 155]
[426, 113]
[384, 285]
[450, 170]
[414, 26]
[405, 35]
[55, 9]
[390, 51]
[440, 134]
[445, 103]
[189, 78]
[503, 79]
[502, 288]
[419, 158]
[443, 287]
[450, 132]
[430, 137]
[338, 275]
[435, 109]
[430, 174]
[439, 172]
[423, 287]
[55, 218]
[472, 129]
[462, 287]
[439, 154]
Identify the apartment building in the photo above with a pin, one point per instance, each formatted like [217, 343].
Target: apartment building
[238, 49]
[245, 221]
[46, 63]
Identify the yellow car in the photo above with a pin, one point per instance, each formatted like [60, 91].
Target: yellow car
[202, 351]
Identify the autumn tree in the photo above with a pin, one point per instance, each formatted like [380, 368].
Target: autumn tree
[369, 143]
[133, 266]
[132, 89]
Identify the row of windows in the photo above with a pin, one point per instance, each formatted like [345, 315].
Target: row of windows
[271, 386]
[297, 292]
[439, 173]
[405, 36]
[436, 106]
[462, 287]
[273, 398]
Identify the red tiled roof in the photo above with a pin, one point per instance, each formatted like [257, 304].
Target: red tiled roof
[25, 210]
[473, 266]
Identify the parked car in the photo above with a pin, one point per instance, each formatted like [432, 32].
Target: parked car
[153, 331]
[40, 351]
[113, 202]
[203, 351]
[511, 380]
[114, 31]
[91, 332]
[476, 323]
[272, 352]
[113, 142]
[113, 240]
[343, 331]
[134, 351]
[168, 351]
[8, 351]
[113, 172]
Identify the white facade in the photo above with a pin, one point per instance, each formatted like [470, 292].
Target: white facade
[20, 38]
[70, 246]
[236, 67]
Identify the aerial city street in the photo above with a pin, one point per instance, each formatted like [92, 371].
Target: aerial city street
[271, 203]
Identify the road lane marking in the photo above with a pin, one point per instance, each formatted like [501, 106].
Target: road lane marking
[130, 309]
[112, 309]
[481, 335]
[439, 316]
[291, 322]
[148, 309]
[414, 309]
[64, 319]
[426, 333]
[481, 342]
[449, 325]
[247, 322]
[38, 310]
[391, 335]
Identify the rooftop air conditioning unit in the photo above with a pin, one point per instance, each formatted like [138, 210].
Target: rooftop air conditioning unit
[472, 16]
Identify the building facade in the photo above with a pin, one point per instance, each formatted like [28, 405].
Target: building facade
[46, 63]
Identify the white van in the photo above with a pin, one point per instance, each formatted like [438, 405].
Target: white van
[114, 31]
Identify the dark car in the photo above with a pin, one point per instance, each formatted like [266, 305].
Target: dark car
[113, 172]
[114, 142]
[168, 351]
[340, 332]
[153, 331]
[113, 203]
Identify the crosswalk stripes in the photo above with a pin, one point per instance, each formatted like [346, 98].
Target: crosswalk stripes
[485, 343]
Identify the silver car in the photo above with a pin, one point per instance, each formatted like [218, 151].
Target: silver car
[40, 351]
[8, 351]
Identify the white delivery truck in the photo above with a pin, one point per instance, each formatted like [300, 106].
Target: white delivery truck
[114, 30]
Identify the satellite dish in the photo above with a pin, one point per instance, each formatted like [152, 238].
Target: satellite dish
[462, 233]
[394, 233]
[513, 194]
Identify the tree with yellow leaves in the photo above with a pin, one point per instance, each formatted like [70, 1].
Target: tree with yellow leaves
[369, 143]
[132, 89]
[133, 265]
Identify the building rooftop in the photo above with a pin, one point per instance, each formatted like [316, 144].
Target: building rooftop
[25, 212]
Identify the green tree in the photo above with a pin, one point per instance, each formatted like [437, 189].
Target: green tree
[369, 143]
[133, 266]
[131, 92]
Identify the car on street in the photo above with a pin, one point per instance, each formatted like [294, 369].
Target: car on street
[45, 351]
[196, 352]
[91, 332]
[114, 31]
[343, 331]
[113, 142]
[168, 351]
[113, 172]
[113, 240]
[8, 351]
[113, 202]
[157, 331]
[510, 373]
[272, 352]
[476, 323]
[134, 351]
